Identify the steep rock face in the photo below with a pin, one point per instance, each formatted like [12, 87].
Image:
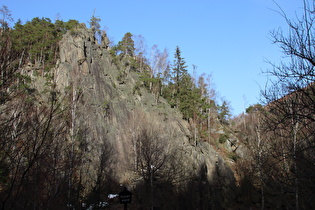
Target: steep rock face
[107, 111]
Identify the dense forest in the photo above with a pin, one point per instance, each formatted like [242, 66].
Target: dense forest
[43, 157]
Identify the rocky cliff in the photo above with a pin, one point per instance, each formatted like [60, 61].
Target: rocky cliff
[113, 118]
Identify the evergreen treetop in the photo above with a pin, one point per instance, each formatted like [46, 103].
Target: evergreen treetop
[179, 66]
[126, 46]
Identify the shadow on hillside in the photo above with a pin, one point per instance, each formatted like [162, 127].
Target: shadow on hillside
[197, 193]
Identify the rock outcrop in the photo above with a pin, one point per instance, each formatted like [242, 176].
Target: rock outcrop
[108, 112]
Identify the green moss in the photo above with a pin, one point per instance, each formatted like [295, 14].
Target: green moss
[74, 32]
[233, 156]
[121, 77]
[223, 138]
[136, 88]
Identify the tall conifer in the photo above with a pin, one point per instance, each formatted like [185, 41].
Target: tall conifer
[127, 45]
[179, 68]
[179, 71]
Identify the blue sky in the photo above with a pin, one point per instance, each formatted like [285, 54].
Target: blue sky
[226, 38]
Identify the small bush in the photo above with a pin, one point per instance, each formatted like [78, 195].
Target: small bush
[223, 138]
[233, 156]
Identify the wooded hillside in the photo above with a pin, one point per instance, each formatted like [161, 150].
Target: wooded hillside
[82, 117]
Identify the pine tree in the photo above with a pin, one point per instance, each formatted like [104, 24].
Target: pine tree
[224, 112]
[95, 23]
[126, 46]
[37, 40]
[5, 17]
[188, 98]
[179, 72]
[179, 69]
[95, 26]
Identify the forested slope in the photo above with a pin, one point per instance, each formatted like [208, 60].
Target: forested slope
[81, 118]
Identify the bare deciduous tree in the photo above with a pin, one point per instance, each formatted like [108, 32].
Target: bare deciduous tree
[291, 101]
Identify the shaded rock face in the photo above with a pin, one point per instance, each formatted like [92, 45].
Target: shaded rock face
[106, 111]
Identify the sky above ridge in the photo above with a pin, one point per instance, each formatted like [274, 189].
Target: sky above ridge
[229, 39]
